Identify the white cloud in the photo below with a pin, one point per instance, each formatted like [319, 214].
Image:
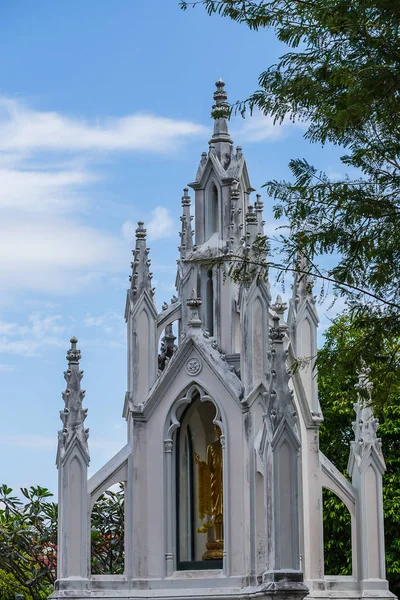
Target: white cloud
[40, 332]
[160, 225]
[260, 128]
[55, 255]
[128, 231]
[110, 323]
[24, 129]
[4, 368]
[43, 247]
[41, 191]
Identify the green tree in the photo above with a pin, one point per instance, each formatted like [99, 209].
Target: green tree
[341, 76]
[28, 540]
[337, 377]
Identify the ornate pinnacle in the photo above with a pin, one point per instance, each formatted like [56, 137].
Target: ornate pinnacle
[279, 306]
[365, 425]
[279, 397]
[140, 231]
[276, 332]
[141, 276]
[251, 226]
[186, 232]
[73, 415]
[221, 107]
[73, 354]
[259, 205]
[185, 197]
[194, 304]
[220, 113]
[303, 283]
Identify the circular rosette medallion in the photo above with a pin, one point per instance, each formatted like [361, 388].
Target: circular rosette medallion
[193, 366]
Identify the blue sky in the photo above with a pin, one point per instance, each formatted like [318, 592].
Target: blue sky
[104, 112]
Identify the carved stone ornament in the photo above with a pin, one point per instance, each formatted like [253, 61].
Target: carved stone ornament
[168, 445]
[193, 366]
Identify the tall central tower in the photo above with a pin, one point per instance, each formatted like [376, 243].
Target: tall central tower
[222, 191]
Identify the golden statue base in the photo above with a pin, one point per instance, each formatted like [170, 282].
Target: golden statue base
[214, 551]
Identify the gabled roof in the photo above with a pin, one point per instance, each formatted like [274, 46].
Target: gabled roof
[194, 344]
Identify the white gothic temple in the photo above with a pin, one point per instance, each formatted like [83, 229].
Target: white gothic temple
[222, 470]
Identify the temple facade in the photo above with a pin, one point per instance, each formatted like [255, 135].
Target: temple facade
[222, 471]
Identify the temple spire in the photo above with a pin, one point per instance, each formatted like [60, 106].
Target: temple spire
[141, 276]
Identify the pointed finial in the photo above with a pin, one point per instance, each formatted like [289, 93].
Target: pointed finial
[141, 276]
[186, 197]
[279, 306]
[276, 332]
[220, 109]
[73, 354]
[194, 304]
[140, 231]
[73, 415]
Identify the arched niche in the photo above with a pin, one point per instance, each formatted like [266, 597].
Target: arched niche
[195, 476]
[209, 304]
[212, 211]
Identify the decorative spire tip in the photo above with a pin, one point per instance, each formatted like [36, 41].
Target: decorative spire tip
[140, 231]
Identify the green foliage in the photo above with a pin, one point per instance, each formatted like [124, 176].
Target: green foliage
[337, 377]
[28, 540]
[107, 533]
[341, 77]
[337, 535]
[9, 586]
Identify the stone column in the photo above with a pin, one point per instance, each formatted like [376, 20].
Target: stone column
[283, 575]
[169, 553]
[366, 467]
[72, 461]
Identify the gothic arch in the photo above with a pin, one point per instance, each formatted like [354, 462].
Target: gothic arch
[212, 221]
[183, 399]
[173, 422]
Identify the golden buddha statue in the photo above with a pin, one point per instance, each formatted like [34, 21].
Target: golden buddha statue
[210, 499]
